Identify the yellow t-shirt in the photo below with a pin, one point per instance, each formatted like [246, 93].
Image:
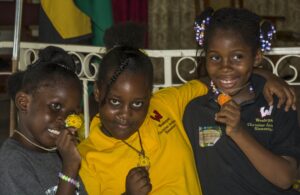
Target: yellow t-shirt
[106, 161]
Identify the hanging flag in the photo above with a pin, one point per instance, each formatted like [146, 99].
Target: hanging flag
[67, 19]
[100, 12]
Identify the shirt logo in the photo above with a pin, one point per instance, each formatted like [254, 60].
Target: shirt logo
[209, 135]
[266, 112]
[157, 116]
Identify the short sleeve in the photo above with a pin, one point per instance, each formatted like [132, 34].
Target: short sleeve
[177, 98]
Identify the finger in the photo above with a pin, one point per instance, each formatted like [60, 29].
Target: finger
[147, 184]
[66, 139]
[221, 119]
[291, 99]
[60, 138]
[268, 96]
[230, 108]
[72, 130]
[294, 97]
[142, 172]
[282, 99]
[134, 171]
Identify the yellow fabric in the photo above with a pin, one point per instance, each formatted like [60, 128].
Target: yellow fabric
[106, 161]
[67, 19]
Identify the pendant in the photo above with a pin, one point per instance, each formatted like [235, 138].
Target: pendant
[144, 161]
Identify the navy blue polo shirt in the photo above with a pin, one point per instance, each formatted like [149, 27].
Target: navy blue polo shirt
[222, 167]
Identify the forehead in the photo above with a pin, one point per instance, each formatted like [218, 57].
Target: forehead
[223, 38]
[66, 89]
[131, 85]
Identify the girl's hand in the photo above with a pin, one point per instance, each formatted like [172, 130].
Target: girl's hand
[229, 114]
[138, 181]
[285, 93]
[66, 145]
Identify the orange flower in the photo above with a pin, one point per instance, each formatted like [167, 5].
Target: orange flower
[223, 98]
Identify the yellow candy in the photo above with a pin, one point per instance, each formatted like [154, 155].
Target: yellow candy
[73, 120]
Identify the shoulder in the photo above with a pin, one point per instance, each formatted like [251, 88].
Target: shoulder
[193, 85]
[11, 150]
[198, 102]
[13, 156]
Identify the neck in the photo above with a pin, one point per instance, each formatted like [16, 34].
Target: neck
[244, 95]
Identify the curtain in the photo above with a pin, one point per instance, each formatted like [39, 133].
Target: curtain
[171, 24]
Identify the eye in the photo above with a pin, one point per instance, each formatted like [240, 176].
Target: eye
[137, 104]
[55, 106]
[237, 57]
[214, 58]
[114, 102]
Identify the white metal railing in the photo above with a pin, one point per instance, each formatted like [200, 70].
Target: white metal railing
[282, 61]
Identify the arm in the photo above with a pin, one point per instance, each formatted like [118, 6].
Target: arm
[277, 86]
[279, 170]
[66, 145]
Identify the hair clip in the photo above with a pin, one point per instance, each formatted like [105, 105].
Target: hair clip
[200, 30]
[266, 41]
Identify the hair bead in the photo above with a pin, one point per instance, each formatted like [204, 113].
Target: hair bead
[266, 36]
[200, 30]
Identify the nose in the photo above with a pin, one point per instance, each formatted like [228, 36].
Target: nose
[61, 117]
[226, 64]
[124, 114]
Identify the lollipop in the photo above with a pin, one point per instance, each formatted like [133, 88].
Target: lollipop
[223, 98]
[73, 120]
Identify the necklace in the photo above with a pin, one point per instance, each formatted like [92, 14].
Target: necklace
[144, 161]
[31, 142]
[217, 91]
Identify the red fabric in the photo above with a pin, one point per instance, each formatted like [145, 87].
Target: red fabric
[131, 10]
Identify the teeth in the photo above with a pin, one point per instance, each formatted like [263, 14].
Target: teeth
[54, 131]
[226, 81]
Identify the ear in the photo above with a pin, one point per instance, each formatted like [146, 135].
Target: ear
[22, 101]
[258, 58]
[96, 92]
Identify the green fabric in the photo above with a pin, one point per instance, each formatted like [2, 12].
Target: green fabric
[100, 12]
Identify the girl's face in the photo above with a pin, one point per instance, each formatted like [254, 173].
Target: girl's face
[126, 105]
[229, 61]
[47, 109]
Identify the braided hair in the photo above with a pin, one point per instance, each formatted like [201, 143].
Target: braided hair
[122, 42]
[121, 59]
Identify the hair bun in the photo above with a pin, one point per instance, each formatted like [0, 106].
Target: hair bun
[57, 55]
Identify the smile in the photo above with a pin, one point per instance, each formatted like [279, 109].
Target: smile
[228, 83]
[53, 131]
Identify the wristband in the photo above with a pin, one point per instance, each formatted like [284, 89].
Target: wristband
[69, 179]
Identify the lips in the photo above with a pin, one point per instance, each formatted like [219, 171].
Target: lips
[123, 126]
